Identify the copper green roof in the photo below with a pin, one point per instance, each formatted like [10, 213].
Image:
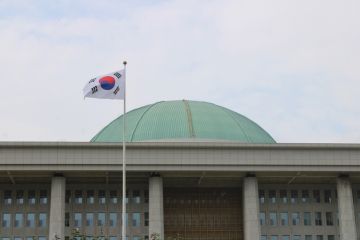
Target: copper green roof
[184, 121]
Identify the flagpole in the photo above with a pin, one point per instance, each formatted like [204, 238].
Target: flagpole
[124, 163]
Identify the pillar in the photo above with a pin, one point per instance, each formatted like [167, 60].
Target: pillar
[156, 206]
[346, 209]
[57, 209]
[251, 208]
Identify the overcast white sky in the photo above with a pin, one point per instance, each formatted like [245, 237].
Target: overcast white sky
[291, 66]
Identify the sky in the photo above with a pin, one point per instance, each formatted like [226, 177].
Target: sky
[291, 66]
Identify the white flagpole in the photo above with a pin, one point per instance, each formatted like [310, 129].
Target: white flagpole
[124, 163]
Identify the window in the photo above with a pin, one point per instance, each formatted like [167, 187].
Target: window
[284, 218]
[296, 237]
[90, 197]
[77, 219]
[113, 219]
[31, 197]
[327, 196]
[317, 197]
[113, 197]
[262, 196]
[272, 196]
[308, 237]
[126, 218]
[30, 220]
[294, 196]
[42, 219]
[319, 237]
[43, 197]
[67, 219]
[318, 220]
[307, 219]
[146, 219]
[295, 218]
[6, 220]
[329, 219]
[89, 219]
[262, 218]
[68, 196]
[136, 238]
[78, 197]
[20, 197]
[5, 238]
[127, 197]
[136, 219]
[136, 197]
[17, 238]
[18, 220]
[285, 237]
[274, 237]
[273, 218]
[330, 237]
[305, 196]
[146, 196]
[283, 196]
[263, 237]
[112, 238]
[7, 197]
[102, 198]
[41, 238]
[101, 219]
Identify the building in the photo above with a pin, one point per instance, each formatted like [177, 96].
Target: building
[196, 171]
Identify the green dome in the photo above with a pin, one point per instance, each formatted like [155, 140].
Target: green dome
[184, 121]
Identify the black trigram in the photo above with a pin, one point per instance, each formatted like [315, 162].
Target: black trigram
[116, 90]
[118, 75]
[92, 80]
[94, 89]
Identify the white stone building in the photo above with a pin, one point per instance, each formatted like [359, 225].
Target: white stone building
[195, 171]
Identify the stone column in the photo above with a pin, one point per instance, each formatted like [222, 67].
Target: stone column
[346, 209]
[156, 206]
[57, 209]
[251, 208]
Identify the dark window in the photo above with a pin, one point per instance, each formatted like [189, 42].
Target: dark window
[329, 219]
[31, 197]
[294, 196]
[262, 196]
[283, 196]
[317, 197]
[318, 220]
[43, 197]
[90, 196]
[305, 196]
[68, 196]
[272, 196]
[327, 196]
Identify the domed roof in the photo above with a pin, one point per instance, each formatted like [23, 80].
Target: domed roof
[184, 121]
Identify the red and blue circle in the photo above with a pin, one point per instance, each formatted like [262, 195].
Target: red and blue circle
[107, 83]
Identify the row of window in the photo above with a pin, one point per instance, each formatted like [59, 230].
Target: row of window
[101, 196]
[296, 196]
[282, 218]
[18, 220]
[111, 219]
[21, 197]
[108, 238]
[298, 237]
[26, 238]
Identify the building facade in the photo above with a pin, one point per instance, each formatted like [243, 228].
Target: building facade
[195, 171]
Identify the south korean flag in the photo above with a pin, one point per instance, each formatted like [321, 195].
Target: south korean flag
[109, 86]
